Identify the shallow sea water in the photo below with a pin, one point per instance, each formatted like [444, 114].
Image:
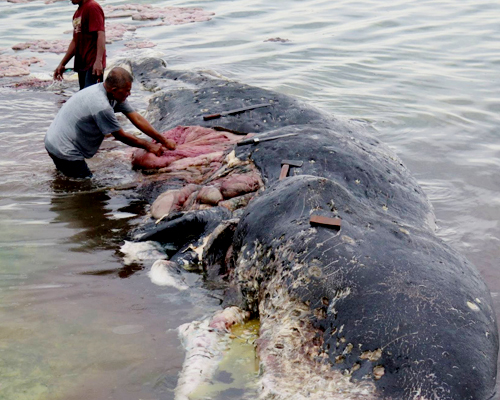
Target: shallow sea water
[75, 321]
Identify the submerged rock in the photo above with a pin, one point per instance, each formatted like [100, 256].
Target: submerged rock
[16, 66]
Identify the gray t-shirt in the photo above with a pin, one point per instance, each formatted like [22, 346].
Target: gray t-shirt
[79, 128]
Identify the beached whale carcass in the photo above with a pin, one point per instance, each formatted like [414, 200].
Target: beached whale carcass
[372, 305]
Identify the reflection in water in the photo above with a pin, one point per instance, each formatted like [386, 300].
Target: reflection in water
[101, 221]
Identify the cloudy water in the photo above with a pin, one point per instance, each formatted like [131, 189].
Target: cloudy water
[76, 321]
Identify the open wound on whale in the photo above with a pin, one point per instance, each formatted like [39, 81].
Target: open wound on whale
[209, 174]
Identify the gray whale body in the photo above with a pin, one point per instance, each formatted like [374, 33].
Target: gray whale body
[382, 300]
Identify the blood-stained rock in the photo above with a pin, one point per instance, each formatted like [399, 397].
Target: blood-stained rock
[16, 66]
[168, 15]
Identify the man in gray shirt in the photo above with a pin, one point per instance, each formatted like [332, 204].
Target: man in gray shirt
[80, 126]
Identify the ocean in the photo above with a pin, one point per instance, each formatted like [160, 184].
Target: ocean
[76, 320]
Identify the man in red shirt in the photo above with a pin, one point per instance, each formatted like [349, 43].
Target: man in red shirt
[88, 45]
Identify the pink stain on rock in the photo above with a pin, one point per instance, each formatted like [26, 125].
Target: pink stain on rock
[30, 1]
[140, 45]
[44, 46]
[115, 32]
[30, 83]
[16, 66]
[125, 10]
[192, 141]
[169, 15]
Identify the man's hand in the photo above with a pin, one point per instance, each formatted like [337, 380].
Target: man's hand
[97, 68]
[131, 140]
[169, 144]
[58, 73]
[145, 127]
[155, 148]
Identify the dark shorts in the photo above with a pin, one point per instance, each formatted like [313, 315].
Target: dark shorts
[86, 78]
[72, 169]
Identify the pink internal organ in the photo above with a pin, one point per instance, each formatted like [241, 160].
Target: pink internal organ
[199, 160]
[192, 141]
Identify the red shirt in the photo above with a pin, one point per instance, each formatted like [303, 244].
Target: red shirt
[87, 21]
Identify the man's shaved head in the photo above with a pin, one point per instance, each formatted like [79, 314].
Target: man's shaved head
[118, 77]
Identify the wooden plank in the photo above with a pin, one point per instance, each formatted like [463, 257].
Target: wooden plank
[284, 171]
[325, 221]
[293, 163]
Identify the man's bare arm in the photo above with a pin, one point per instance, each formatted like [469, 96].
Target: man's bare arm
[98, 69]
[133, 141]
[144, 126]
[58, 73]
